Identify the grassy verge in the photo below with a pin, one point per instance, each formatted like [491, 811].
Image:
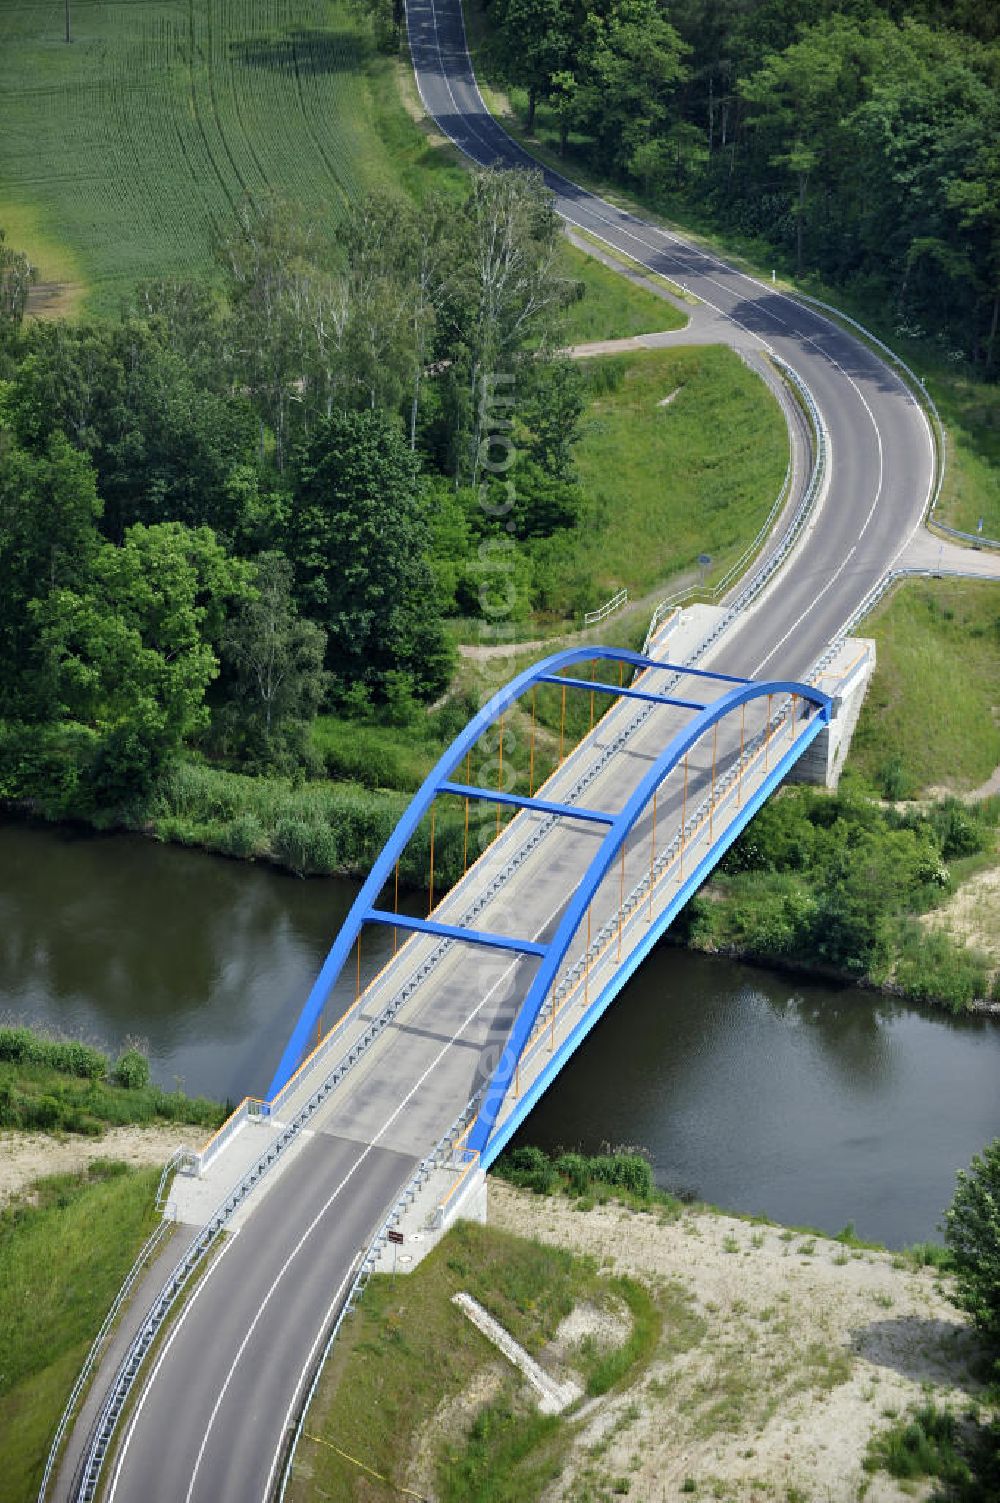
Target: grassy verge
[123, 150]
[55, 1086]
[970, 411]
[610, 306]
[682, 452]
[409, 1355]
[931, 716]
[65, 1248]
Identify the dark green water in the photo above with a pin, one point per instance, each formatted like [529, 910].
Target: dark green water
[760, 1092]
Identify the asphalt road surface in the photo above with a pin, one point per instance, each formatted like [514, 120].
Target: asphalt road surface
[213, 1416]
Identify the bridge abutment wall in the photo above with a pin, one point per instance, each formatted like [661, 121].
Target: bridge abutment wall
[846, 679]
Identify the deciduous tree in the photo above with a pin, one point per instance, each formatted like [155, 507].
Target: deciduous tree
[359, 540]
[274, 661]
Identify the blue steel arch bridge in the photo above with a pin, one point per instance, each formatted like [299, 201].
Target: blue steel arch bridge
[437, 1057]
[704, 750]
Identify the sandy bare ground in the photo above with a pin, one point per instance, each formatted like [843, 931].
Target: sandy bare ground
[25, 1157]
[972, 915]
[805, 1349]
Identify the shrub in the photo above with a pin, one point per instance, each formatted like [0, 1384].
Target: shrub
[304, 845]
[20, 1046]
[921, 1446]
[625, 1171]
[244, 838]
[972, 1232]
[132, 1070]
[959, 831]
[576, 1170]
[529, 1169]
[894, 781]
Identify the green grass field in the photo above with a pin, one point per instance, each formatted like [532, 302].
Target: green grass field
[970, 411]
[931, 718]
[664, 483]
[612, 307]
[123, 151]
[64, 1251]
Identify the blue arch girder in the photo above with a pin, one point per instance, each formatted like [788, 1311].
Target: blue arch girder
[479, 1139]
[438, 782]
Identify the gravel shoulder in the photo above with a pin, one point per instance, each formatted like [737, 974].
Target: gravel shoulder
[808, 1348]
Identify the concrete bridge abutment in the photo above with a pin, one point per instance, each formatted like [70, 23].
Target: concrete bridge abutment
[845, 679]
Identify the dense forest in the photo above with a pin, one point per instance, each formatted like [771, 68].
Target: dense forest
[251, 497]
[857, 139]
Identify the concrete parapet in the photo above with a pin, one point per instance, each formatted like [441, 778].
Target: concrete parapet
[443, 1199]
[845, 679]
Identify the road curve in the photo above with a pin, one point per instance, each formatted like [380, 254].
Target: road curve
[212, 1418]
[882, 454]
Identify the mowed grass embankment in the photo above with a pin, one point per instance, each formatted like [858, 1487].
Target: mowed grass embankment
[932, 715]
[970, 492]
[65, 1248]
[612, 306]
[124, 151]
[682, 452]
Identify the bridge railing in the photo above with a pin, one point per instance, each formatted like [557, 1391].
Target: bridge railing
[612, 849]
[591, 618]
[250, 1109]
[516, 833]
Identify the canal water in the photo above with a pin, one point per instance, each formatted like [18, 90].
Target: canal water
[814, 1104]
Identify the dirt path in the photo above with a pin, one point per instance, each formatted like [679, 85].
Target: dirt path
[806, 1348]
[27, 1156]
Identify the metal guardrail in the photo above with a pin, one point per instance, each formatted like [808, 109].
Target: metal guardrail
[149, 1247]
[591, 618]
[976, 538]
[184, 1160]
[874, 597]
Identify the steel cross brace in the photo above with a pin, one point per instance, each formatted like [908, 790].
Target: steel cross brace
[452, 931]
[521, 801]
[596, 685]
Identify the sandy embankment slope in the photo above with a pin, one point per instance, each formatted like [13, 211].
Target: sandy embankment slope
[27, 1156]
[806, 1345]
